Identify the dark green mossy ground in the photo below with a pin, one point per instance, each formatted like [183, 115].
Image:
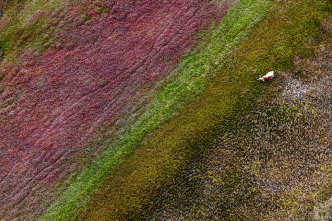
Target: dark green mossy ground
[283, 35]
[25, 25]
[274, 162]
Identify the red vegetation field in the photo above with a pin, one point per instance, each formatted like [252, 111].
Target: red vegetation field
[95, 71]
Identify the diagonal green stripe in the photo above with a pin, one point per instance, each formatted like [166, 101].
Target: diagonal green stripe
[187, 81]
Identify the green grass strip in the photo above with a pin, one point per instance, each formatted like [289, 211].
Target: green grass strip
[188, 80]
[285, 32]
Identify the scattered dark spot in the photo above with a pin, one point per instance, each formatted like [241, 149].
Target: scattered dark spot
[88, 150]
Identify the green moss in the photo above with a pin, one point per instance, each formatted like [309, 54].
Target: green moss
[290, 203]
[27, 26]
[3, 47]
[85, 17]
[102, 10]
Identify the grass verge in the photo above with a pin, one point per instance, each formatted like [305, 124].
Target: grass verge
[273, 45]
[186, 82]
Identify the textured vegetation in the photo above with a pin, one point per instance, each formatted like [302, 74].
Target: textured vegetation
[272, 45]
[271, 162]
[197, 144]
[24, 25]
[189, 80]
[96, 69]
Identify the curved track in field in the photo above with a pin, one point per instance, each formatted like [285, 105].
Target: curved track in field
[92, 75]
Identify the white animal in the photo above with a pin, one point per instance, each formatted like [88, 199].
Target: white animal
[266, 77]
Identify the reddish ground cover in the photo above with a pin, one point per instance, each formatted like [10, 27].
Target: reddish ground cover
[92, 74]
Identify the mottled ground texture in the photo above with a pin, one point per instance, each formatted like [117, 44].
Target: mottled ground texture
[148, 110]
[94, 72]
[275, 161]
